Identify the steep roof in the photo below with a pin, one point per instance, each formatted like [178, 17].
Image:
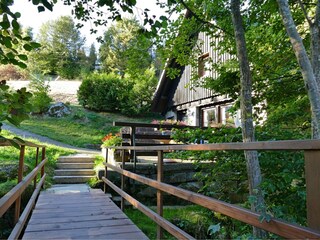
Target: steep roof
[166, 85]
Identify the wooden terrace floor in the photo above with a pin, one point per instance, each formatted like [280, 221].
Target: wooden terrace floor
[79, 215]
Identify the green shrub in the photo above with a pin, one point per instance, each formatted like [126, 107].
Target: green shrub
[40, 100]
[283, 171]
[101, 92]
[110, 93]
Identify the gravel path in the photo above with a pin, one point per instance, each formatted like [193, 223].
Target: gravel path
[60, 91]
[27, 134]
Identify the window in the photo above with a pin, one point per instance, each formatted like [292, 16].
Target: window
[218, 115]
[210, 117]
[227, 117]
[203, 64]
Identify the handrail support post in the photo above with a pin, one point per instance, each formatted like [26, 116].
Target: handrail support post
[36, 164]
[159, 193]
[312, 173]
[123, 179]
[20, 177]
[105, 186]
[43, 157]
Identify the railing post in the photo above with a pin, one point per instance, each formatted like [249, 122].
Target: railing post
[312, 172]
[43, 157]
[35, 178]
[159, 192]
[105, 186]
[123, 179]
[133, 143]
[20, 177]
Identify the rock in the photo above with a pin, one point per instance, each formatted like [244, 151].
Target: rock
[58, 110]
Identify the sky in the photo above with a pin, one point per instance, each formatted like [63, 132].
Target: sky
[30, 17]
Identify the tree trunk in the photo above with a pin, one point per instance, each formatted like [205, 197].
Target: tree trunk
[253, 166]
[308, 72]
[315, 60]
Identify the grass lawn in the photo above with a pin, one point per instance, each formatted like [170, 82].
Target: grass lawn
[10, 156]
[81, 128]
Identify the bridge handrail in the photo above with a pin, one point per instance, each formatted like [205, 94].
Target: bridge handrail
[295, 145]
[311, 150]
[14, 195]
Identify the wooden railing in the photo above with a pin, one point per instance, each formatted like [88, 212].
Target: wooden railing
[148, 137]
[311, 150]
[14, 195]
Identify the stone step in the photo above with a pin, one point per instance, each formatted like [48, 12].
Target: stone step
[72, 179]
[74, 172]
[75, 165]
[76, 159]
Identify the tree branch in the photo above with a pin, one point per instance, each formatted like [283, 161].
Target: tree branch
[202, 20]
[305, 12]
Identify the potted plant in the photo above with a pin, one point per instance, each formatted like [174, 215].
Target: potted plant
[108, 141]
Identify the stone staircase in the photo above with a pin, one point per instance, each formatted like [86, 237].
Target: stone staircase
[74, 169]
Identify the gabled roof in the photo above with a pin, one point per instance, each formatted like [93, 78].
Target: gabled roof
[167, 86]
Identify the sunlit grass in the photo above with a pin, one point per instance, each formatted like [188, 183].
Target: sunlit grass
[10, 156]
[81, 128]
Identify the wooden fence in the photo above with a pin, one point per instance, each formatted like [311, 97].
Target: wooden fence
[14, 195]
[311, 149]
[148, 137]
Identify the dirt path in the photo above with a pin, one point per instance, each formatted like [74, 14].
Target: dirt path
[60, 91]
[26, 134]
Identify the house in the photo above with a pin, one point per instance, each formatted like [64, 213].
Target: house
[198, 106]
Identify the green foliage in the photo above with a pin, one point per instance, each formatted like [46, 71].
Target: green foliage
[226, 178]
[109, 92]
[141, 93]
[40, 100]
[61, 52]
[15, 106]
[12, 40]
[228, 81]
[101, 92]
[122, 46]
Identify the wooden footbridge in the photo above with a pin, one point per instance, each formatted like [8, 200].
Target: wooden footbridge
[91, 214]
[78, 212]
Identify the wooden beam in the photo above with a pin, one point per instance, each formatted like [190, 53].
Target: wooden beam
[148, 136]
[276, 226]
[171, 228]
[26, 212]
[294, 145]
[17, 209]
[43, 156]
[167, 126]
[123, 178]
[36, 164]
[7, 200]
[312, 172]
[159, 193]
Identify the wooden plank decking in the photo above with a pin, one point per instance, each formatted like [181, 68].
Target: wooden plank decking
[79, 215]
